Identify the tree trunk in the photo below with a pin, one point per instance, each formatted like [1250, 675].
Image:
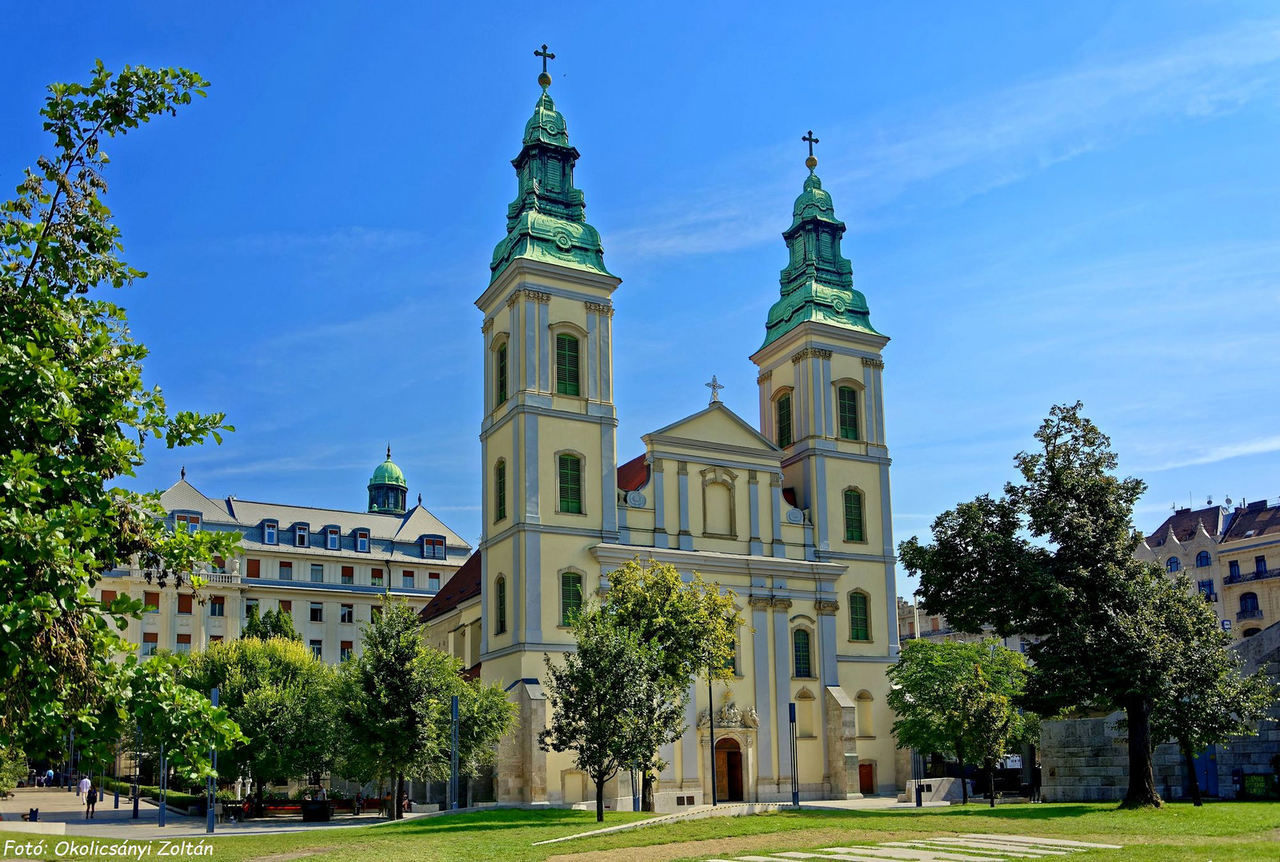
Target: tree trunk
[397, 797]
[1189, 756]
[600, 800]
[646, 792]
[964, 785]
[1142, 783]
[262, 808]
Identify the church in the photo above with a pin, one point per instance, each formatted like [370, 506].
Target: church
[792, 514]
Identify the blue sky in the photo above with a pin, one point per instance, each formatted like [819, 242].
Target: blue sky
[1045, 202]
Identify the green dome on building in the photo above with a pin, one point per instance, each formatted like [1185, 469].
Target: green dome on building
[388, 488]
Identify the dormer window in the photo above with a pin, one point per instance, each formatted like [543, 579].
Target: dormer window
[432, 548]
[191, 523]
[331, 541]
[269, 532]
[301, 536]
[362, 541]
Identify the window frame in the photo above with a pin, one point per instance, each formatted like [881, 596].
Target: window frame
[217, 606]
[795, 653]
[347, 614]
[282, 567]
[501, 372]
[302, 535]
[783, 397]
[1173, 565]
[362, 541]
[1203, 560]
[317, 648]
[500, 605]
[567, 576]
[315, 612]
[562, 382]
[854, 536]
[316, 569]
[500, 490]
[578, 460]
[408, 579]
[271, 532]
[347, 575]
[853, 598]
[856, 392]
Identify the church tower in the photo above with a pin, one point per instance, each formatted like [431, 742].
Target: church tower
[822, 403]
[547, 437]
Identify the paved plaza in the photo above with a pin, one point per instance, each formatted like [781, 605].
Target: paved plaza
[969, 847]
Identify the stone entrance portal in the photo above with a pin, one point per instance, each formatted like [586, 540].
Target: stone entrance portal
[728, 771]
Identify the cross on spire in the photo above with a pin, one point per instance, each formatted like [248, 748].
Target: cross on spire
[544, 79]
[809, 138]
[715, 386]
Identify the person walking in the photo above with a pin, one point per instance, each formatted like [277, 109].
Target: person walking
[83, 787]
[90, 800]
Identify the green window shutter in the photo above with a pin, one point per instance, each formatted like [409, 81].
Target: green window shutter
[783, 409]
[567, 365]
[500, 606]
[570, 484]
[500, 491]
[570, 597]
[859, 624]
[500, 382]
[853, 522]
[800, 652]
[848, 398]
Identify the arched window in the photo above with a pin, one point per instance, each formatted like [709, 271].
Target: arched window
[854, 525]
[499, 490]
[782, 414]
[1173, 565]
[500, 375]
[801, 654]
[847, 398]
[1251, 632]
[570, 597]
[1248, 602]
[567, 365]
[570, 470]
[500, 605]
[863, 703]
[1202, 559]
[859, 619]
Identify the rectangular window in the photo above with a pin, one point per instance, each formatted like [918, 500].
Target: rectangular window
[499, 491]
[375, 613]
[250, 608]
[269, 532]
[362, 541]
[567, 365]
[217, 606]
[317, 612]
[570, 484]
[317, 573]
[150, 640]
[433, 548]
[433, 581]
[859, 619]
[801, 653]
[190, 522]
[301, 536]
[500, 378]
[500, 606]
[344, 650]
[331, 540]
[406, 579]
[219, 565]
[1233, 568]
[317, 649]
[348, 574]
[1205, 587]
[152, 601]
[782, 410]
[375, 577]
[1260, 565]
[254, 568]
[848, 398]
[213, 639]
[347, 614]
[854, 530]
[570, 597]
[183, 645]
[286, 570]
[286, 607]
[108, 596]
[184, 604]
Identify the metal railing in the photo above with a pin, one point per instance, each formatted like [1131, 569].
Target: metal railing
[1251, 614]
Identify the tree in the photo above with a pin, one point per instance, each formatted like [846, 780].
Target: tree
[272, 624]
[13, 768]
[282, 694]
[602, 696]
[1094, 607]
[692, 625]
[1206, 700]
[75, 414]
[958, 699]
[485, 714]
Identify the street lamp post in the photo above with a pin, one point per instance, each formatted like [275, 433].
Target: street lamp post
[213, 782]
[711, 723]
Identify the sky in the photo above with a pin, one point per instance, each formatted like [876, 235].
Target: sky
[1045, 203]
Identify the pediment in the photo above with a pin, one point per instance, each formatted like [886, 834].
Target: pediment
[716, 426]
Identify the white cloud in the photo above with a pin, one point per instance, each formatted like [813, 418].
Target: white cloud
[1221, 452]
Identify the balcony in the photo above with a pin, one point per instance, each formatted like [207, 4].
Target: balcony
[1252, 576]
[1253, 614]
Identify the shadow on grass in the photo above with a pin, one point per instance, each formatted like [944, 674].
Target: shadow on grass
[553, 820]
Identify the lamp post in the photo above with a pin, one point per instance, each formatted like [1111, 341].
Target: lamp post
[453, 757]
[795, 777]
[711, 723]
[212, 781]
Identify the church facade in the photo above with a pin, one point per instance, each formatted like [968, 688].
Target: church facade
[791, 513]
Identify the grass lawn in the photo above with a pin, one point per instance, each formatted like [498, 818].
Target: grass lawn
[1218, 832]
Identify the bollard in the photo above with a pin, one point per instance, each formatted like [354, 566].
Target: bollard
[919, 795]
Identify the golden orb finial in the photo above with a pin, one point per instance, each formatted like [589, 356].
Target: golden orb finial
[811, 163]
[544, 80]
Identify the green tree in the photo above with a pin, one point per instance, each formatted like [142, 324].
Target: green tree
[75, 414]
[959, 699]
[13, 768]
[485, 714]
[272, 624]
[282, 695]
[1206, 699]
[603, 695]
[692, 624]
[1095, 609]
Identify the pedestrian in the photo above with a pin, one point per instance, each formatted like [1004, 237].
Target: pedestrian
[48, 777]
[83, 787]
[357, 803]
[90, 800]
[321, 795]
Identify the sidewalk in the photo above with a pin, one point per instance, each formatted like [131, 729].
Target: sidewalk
[60, 807]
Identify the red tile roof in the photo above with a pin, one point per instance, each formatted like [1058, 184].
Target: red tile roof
[1258, 517]
[633, 475]
[465, 584]
[1185, 523]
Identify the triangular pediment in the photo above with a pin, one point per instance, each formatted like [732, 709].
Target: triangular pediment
[718, 426]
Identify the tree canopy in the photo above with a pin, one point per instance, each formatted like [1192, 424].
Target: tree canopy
[272, 624]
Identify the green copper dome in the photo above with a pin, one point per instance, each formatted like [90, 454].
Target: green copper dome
[387, 473]
[387, 488]
[547, 219]
[817, 282]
